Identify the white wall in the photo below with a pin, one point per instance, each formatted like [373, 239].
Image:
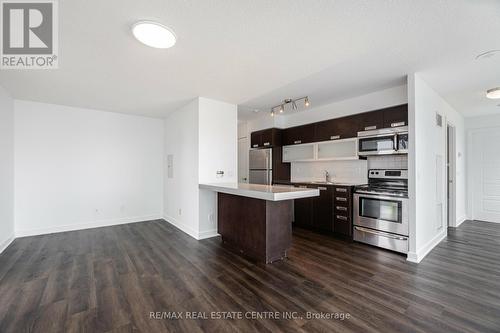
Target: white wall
[77, 168]
[202, 137]
[428, 221]
[181, 195]
[218, 145]
[218, 151]
[6, 169]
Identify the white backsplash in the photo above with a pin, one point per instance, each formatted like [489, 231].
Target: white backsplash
[340, 171]
[388, 162]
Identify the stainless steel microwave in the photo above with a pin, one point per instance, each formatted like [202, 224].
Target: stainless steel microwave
[384, 141]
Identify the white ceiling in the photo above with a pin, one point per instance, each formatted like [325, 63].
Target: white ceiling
[256, 53]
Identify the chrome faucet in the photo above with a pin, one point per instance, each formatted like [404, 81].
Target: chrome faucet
[327, 176]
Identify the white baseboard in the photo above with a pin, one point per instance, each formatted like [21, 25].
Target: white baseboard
[460, 221]
[420, 254]
[88, 225]
[190, 231]
[181, 226]
[208, 234]
[6, 243]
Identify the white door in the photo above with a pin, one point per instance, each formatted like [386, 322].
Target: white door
[485, 174]
[243, 148]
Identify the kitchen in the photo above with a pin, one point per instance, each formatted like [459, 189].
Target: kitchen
[371, 208]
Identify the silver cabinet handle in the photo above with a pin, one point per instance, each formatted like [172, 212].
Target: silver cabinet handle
[401, 123]
[322, 188]
[335, 137]
[255, 146]
[297, 142]
[378, 233]
[369, 128]
[266, 143]
[340, 189]
[343, 218]
[341, 208]
[302, 186]
[341, 199]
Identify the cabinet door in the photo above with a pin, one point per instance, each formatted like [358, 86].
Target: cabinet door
[396, 116]
[267, 138]
[323, 210]
[303, 209]
[372, 120]
[298, 153]
[349, 126]
[256, 139]
[298, 135]
[338, 150]
[326, 130]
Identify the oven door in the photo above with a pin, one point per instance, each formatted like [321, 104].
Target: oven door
[377, 145]
[384, 213]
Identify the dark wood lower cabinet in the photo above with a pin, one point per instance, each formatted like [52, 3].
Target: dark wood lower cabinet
[331, 212]
[257, 229]
[303, 209]
[322, 212]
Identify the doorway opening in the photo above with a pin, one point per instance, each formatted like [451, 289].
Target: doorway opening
[450, 174]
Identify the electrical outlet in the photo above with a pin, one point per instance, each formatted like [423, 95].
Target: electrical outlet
[180, 212]
[211, 217]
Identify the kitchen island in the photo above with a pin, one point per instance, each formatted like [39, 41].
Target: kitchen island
[256, 220]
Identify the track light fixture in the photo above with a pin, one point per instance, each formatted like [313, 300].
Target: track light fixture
[281, 107]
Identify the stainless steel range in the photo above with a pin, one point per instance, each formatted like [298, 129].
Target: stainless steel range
[381, 210]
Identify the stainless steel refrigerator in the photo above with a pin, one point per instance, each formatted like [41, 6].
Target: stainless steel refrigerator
[260, 162]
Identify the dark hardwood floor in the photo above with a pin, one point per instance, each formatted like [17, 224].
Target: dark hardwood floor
[110, 279]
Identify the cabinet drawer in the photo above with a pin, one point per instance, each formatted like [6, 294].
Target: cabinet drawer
[341, 190]
[342, 218]
[341, 199]
[342, 210]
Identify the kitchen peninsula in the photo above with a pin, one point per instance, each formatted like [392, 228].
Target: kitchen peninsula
[256, 220]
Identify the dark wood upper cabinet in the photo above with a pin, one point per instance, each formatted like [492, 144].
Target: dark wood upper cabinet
[333, 129]
[270, 137]
[339, 128]
[256, 139]
[372, 120]
[299, 134]
[396, 116]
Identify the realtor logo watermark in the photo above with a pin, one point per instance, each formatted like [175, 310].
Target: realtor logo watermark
[29, 36]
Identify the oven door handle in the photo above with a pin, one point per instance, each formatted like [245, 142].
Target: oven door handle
[378, 233]
[359, 195]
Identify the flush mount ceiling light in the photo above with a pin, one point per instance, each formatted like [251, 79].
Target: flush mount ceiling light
[293, 102]
[153, 34]
[493, 93]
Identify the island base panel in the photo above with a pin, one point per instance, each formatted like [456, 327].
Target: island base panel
[258, 229]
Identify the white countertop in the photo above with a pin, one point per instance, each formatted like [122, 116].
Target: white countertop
[264, 192]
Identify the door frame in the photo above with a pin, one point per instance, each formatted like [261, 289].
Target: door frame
[451, 172]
